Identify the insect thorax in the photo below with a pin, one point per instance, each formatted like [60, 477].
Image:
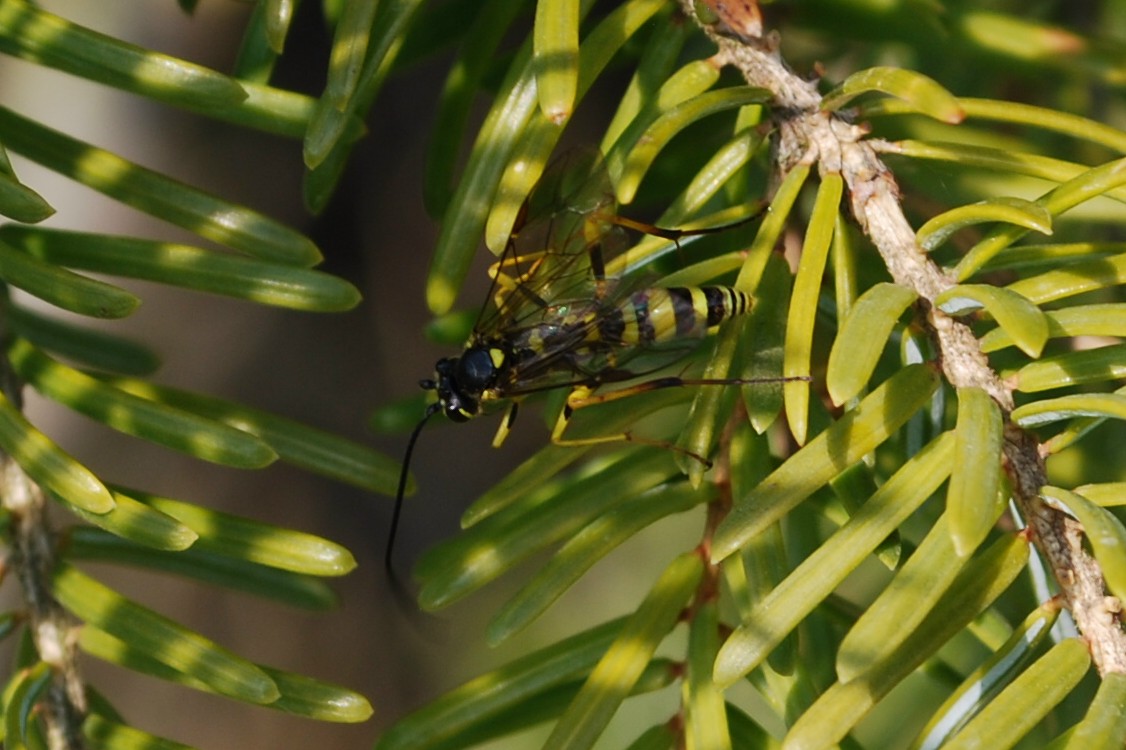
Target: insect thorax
[465, 383]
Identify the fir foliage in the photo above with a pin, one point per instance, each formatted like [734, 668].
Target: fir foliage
[942, 256]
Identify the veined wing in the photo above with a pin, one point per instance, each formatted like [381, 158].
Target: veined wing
[616, 337]
[548, 261]
[562, 320]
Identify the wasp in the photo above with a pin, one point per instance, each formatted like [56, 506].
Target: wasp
[559, 316]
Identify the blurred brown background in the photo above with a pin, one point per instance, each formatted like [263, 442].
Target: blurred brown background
[329, 371]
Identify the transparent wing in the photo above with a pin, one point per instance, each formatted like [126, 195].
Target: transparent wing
[551, 292]
[553, 261]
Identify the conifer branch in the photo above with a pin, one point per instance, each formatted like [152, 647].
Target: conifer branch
[32, 559]
[808, 135]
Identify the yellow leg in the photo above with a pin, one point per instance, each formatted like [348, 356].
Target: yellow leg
[506, 281]
[582, 397]
[503, 267]
[505, 425]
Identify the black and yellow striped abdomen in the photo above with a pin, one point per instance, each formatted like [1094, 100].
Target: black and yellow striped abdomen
[657, 315]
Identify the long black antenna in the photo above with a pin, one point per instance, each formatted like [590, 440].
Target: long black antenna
[430, 411]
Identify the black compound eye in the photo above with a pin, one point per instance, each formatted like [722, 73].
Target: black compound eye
[475, 370]
[455, 413]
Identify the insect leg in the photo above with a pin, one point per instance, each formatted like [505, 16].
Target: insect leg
[676, 235]
[505, 266]
[584, 396]
[505, 425]
[510, 274]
